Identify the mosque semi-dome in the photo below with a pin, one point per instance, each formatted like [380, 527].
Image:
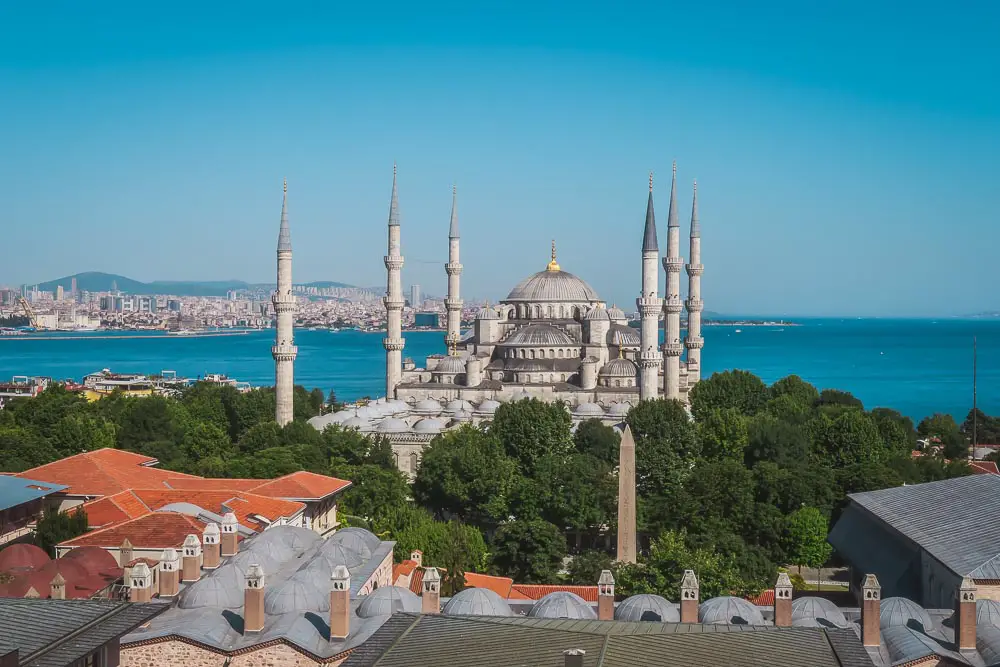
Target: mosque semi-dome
[450, 364]
[552, 285]
[539, 335]
[597, 313]
[620, 368]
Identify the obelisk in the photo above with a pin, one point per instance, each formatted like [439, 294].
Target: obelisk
[626, 498]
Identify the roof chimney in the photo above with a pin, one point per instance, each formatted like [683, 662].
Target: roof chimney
[57, 587]
[574, 657]
[211, 549]
[125, 553]
[340, 603]
[253, 599]
[229, 541]
[871, 609]
[141, 587]
[606, 596]
[965, 616]
[689, 597]
[430, 599]
[191, 565]
[783, 601]
[32, 593]
[169, 562]
[417, 556]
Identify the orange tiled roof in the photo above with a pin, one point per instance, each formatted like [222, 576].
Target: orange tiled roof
[212, 483]
[301, 484]
[244, 505]
[765, 599]
[499, 585]
[157, 530]
[417, 581]
[405, 568]
[114, 509]
[538, 591]
[102, 472]
[984, 468]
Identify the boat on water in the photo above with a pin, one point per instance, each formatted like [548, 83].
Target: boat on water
[182, 332]
[738, 331]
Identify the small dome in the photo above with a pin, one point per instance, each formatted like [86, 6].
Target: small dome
[369, 538]
[988, 644]
[619, 409]
[450, 364]
[897, 611]
[221, 589]
[988, 613]
[388, 600]
[462, 416]
[539, 335]
[392, 425]
[22, 558]
[588, 410]
[370, 412]
[488, 406]
[589, 360]
[299, 593]
[355, 541]
[615, 313]
[623, 335]
[335, 553]
[562, 604]
[341, 416]
[246, 558]
[619, 368]
[398, 405]
[487, 313]
[429, 425]
[273, 549]
[477, 602]
[428, 407]
[597, 313]
[817, 612]
[647, 608]
[356, 422]
[295, 538]
[729, 610]
[95, 559]
[458, 404]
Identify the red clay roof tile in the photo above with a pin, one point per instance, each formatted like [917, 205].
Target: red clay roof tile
[538, 591]
[102, 472]
[499, 585]
[302, 484]
[157, 530]
[244, 505]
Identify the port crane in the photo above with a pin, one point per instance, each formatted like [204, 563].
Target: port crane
[30, 314]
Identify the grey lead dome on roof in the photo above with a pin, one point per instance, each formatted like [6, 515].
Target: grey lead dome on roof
[368, 537]
[811, 611]
[477, 602]
[428, 425]
[388, 600]
[222, 589]
[622, 334]
[597, 313]
[901, 612]
[647, 608]
[552, 286]
[450, 364]
[300, 593]
[539, 334]
[619, 368]
[729, 610]
[562, 604]
[392, 425]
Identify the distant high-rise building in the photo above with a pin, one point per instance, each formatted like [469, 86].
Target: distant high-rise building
[114, 287]
[60, 293]
[416, 298]
[72, 287]
[173, 305]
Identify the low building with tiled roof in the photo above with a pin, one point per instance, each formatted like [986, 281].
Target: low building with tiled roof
[83, 573]
[22, 503]
[147, 535]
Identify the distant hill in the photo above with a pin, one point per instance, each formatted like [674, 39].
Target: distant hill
[326, 283]
[95, 281]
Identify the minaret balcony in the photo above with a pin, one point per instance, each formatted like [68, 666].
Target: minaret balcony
[695, 305]
[673, 304]
[453, 269]
[393, 304]
[695, 269]
[673, 264]
[284, 352]
[393, 262]
[694, 342]
[673, 349]
[393, 344]
[648, 358]
[453, 304]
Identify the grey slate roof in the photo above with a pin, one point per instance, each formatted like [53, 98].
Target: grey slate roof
[944, 518]
[649, 232]
[56, 633]
[16, 491]
[442, 641]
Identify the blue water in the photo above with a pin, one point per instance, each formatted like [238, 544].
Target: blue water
[915, 366]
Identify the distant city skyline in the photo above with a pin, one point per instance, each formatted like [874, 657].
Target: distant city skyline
[845, 167]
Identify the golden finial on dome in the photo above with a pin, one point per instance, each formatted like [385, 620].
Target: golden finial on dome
[553, 265]
[620, 356]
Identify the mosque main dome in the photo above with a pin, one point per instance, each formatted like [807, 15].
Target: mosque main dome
[553, 285]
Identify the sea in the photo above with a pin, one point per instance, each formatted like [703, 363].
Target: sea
[918, 367]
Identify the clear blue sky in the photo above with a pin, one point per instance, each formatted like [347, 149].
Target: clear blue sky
[847, 154]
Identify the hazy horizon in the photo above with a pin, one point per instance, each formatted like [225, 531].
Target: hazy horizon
[845, 156]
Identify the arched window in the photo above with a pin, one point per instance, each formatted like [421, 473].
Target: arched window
[531, 354]
[618, 383]
[413, 462]
[560, 354]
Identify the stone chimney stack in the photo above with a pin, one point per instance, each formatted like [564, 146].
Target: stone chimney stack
[606, 596]
[169, 576]
[871, 609]
[417, 556]
[191, 565]
[57, 588]
[574, 657]
[125, 553]
[253, 599]
[965, 616]
[783, 601]
[211, 549]
[141, 588]
[689, 597]
[340, 603]
[230, 527]
[430, 600]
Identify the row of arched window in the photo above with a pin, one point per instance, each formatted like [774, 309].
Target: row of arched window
[551, 353]
[524, 311]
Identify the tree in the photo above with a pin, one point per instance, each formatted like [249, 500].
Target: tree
[730, 389]
[723, 433]
[796, 389]
[666, 445]
[77, 432]
[530, 429]
[451, 546]
[770, 439]
[528, 551]
[842, 398]
[852, 438]
[943, 427]
[152, 420]
[206, 440]
[987, 428]
[258, 437]
[896, 430]
[22, 448]
[375, 493]
[807, 531]
[596, 438]
[585, 569]
[55, 527]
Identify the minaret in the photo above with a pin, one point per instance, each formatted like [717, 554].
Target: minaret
[453, 303]
[672, 303]
[284, 350]
[393, 300]
[649, 305]
[694, 342]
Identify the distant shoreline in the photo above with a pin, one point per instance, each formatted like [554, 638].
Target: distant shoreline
[750, 323]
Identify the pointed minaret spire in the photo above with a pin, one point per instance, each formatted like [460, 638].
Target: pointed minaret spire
[695, 226]
[284, 234]
[672, 212]
[453, 229]
[672, 305]
[694, 341]
[649, 236]
[394, 203]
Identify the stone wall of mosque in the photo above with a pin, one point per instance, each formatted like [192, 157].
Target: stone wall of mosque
[176, 653]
